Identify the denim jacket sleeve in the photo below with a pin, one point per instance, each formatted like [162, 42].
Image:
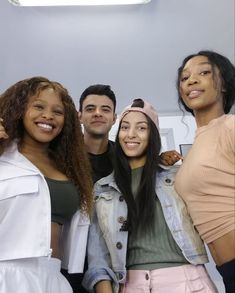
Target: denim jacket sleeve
[178, 219]
[99, 261]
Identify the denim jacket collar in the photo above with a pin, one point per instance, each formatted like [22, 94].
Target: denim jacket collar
[108, 181]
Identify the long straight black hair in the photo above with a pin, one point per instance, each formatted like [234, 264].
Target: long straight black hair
[141, 212]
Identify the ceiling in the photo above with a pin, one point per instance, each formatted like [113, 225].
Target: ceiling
[136, 49]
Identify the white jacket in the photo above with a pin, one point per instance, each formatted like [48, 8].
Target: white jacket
[25, 215]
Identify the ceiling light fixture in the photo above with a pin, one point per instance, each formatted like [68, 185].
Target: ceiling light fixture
[74, 2]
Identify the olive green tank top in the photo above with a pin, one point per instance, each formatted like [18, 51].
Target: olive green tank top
[64, 200]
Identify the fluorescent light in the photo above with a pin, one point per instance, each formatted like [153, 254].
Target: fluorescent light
[74, 2]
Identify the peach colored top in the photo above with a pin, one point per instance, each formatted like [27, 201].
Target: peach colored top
[206, 179]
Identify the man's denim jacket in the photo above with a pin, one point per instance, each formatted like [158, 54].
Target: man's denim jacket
[107, 241]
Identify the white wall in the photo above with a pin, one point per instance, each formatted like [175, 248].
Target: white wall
[175, 130]
[134, 48]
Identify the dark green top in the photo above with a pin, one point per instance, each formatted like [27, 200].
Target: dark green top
[64, 200]
[157, 248]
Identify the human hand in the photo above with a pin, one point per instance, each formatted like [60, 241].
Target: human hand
[169, 158]
[3, 134]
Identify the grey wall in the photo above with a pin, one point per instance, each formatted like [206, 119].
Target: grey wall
[137, 49]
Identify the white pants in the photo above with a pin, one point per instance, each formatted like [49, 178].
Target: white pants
[33, 275]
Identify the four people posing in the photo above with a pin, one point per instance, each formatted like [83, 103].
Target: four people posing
[140, 224]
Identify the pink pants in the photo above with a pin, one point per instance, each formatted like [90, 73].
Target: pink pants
[181, 279]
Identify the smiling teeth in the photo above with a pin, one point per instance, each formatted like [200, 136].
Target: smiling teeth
[45, 126]
[132, 143]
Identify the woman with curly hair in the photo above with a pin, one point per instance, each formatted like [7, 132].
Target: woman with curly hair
[45, 188]
[206, 179]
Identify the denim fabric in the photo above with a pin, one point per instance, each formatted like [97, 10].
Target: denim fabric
[107, 241]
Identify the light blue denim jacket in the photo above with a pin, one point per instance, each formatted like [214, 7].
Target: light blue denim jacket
[107, 242]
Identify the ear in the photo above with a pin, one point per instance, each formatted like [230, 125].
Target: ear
[80, 116]
[114, 118]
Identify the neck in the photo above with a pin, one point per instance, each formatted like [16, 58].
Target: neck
[36, 150]
[95, 145]
[137, 162]
[204, 117]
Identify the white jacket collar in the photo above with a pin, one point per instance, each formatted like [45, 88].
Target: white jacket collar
[13, 158]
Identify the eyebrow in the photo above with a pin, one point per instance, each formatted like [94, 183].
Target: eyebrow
[139, 122]
[201, 63]
[45, 102]
[94, 106]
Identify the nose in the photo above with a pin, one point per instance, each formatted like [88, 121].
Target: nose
[97, 112]
[131, 132]
[47, 114]
[192, 79]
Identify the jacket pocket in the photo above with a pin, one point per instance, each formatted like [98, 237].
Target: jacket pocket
[23, 185]
[104, 195]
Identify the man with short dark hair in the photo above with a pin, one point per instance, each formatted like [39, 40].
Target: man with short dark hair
[97, 115]
[97, 106]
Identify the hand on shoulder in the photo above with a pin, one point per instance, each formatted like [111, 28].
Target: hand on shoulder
[169, 158]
